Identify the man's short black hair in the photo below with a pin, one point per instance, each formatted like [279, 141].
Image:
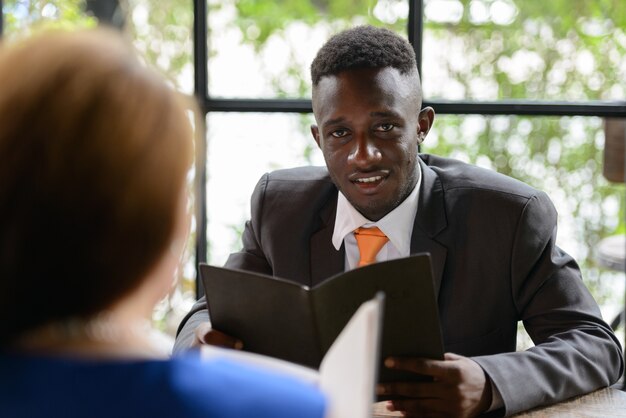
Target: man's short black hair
[363, 47]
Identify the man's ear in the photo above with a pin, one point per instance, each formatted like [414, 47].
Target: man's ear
[316, 135]
[425, 122]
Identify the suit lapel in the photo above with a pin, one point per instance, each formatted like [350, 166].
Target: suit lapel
[429, 221]
[325, 260]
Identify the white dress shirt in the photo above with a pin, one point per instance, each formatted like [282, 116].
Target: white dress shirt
[397, 225]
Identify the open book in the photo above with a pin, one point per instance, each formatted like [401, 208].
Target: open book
[347, 374]
[289, 321]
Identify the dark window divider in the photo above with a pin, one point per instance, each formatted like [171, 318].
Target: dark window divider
[200, 55]
[416, 29]
[532, 108]
[504, 107]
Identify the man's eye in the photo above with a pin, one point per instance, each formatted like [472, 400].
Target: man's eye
[385, 127]
[339, 133]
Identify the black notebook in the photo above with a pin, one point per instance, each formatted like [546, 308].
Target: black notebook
[289, 321]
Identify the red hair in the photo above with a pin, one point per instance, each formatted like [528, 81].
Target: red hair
[95, 149]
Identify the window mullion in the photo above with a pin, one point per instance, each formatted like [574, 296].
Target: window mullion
[1, 19]
[416, 29]
[200, 49]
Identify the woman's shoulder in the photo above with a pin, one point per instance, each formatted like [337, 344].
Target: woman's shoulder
[229, 389]
[184, 386]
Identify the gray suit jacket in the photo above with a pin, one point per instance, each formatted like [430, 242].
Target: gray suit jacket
[495, 262]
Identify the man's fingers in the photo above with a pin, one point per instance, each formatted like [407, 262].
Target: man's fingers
[459, 387]
[207, 335]
[449, 369]
[452, 356]
[422, 366]
[410, 389]
[199, 334]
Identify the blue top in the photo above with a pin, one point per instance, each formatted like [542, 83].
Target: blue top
[185, 387]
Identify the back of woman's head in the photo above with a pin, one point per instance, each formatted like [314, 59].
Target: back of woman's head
[94, 150]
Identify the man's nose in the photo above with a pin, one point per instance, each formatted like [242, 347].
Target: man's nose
[365, 151]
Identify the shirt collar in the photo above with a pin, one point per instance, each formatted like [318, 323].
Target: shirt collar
[397, 224]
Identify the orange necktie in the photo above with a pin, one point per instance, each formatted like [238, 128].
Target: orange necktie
[369, 241]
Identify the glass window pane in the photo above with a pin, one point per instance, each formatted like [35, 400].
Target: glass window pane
[241, 148]
[163, 32]
[562, 156]
[525, 49]
[263, 48]
[22, 17]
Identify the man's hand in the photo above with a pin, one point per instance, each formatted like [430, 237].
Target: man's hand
[204, 334]
[459, 388]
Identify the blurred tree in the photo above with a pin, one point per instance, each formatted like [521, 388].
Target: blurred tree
[22, 17]
[163, 33]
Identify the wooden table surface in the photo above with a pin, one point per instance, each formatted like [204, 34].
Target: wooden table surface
[604, 403]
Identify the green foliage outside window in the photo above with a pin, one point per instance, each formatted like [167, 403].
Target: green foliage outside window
[22, 17]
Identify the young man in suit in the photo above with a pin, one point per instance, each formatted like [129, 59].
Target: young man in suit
[491, 240]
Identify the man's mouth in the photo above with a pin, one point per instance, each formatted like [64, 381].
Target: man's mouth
[369, 179]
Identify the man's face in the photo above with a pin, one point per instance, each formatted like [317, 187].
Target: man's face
[369, 126]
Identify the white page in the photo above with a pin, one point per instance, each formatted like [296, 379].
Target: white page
[348, 371]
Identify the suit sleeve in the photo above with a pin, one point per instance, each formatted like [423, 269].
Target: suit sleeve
[251, 257]
[575, 351]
